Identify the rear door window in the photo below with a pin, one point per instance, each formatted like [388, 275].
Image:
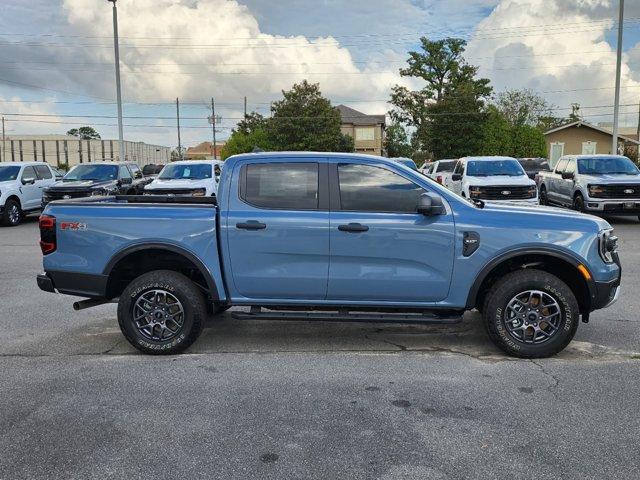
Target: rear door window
[43, 172]
[292, 186]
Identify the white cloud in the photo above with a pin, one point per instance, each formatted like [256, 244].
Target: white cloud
[569, 59]
[31, 117]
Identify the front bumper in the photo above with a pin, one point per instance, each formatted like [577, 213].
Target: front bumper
[607, 293]
[613, 206]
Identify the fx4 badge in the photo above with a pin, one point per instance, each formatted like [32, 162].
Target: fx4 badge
[73, 226]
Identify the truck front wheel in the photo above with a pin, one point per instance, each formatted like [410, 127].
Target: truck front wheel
[531, 314]
[161, 312]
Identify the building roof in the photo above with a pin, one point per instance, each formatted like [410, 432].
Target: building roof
[581, 123]
[349, 115]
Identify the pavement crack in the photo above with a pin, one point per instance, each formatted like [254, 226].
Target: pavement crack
[555, 381]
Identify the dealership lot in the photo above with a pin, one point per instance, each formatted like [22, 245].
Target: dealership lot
[309, 400]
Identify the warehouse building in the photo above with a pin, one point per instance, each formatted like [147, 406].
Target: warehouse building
[65, 151]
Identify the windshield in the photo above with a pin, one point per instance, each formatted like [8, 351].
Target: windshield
[198, 171]
[446, 166]
[485, 168]
[9, 173]
[92, 172]
[535, 165]
[607, 165]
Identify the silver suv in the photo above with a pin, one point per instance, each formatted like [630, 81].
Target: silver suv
[601, 184]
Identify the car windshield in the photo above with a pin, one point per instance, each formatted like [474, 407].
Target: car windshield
[607, 165]
[446, 166]
[535, 164]
[486, 168]
[9, 173]
[197, 171]
[92, 172]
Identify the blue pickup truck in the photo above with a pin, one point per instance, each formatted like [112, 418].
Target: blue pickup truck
[331, 237]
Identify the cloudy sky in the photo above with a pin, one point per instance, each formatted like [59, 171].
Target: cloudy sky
[56, 57]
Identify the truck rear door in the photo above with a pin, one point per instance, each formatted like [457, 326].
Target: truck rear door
[277, 229]
[381, 249]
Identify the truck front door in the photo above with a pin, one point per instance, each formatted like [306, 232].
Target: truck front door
[277, 229]
[381, 249]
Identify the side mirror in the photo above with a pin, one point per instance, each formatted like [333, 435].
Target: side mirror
[126, 181]
[430, 204]
[567, 175]
[28, 181]
[456, 177]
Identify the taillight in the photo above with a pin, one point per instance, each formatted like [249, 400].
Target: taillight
[47, 234]
[439, 179]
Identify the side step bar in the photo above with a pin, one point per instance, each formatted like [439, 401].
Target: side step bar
[256, 313]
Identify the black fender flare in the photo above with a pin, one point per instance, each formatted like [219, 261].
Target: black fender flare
[213, 291]
[506, 256]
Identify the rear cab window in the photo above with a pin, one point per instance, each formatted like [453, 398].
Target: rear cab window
[280, 185]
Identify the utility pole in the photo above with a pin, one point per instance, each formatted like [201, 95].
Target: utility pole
[245, 107]
[213, 128]
[616, 107]
[118, 90]
[178, 118]
[4, 150]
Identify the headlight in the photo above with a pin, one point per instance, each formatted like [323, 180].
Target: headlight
[596, 190]
[474, 191]
[608, 245]
[200, 192]
[532, 191]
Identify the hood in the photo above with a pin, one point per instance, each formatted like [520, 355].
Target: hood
[572, 217]
[7, 184]
[80, 184]
[186, 183]
[609, 178]
[502, 180]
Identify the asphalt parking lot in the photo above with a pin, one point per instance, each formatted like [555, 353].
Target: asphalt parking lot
[258, 399]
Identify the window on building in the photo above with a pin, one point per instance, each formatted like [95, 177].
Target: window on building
[365, 133]
[589, 148]
[291, 186]
[557, 150]
[373, 189]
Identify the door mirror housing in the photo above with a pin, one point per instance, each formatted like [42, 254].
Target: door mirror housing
[126, 181]
[456, 177]
[28, 181]
[567, 175]
[430, 204]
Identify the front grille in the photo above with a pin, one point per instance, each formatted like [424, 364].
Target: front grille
[504, 193]
[169, 191]
[60, 194]
[618, 191]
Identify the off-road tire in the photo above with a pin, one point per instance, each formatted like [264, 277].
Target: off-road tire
[494, 312]
[189, 295]
[6, 216]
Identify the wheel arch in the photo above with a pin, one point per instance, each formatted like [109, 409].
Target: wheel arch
[136, 260]
[561, 264]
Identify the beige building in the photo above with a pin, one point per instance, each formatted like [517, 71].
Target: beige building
[582, 138]
[65, 151]
[367, 131]
[204, 151]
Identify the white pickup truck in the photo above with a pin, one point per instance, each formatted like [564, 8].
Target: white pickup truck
[195, 178]
[493, 179]
[21, 185]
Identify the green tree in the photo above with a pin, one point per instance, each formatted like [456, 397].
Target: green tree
[496, 135]
[397, 142]
[448, 112]
[84, 133]
[240, 142]
[522, 107]
[528, 141]
[305, 120]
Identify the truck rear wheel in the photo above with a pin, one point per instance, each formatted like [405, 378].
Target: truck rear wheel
[531, 314]
[161, 312]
